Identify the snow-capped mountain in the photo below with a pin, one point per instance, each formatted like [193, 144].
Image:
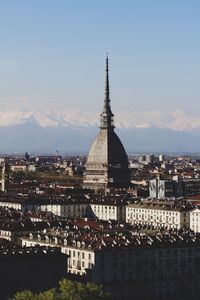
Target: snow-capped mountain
[70, 130]
[177, 120]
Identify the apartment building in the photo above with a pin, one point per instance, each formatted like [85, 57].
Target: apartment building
[195, 219]
[110, 207]
[63, 206]
[176, 187]
[66, 207]
[159, 214]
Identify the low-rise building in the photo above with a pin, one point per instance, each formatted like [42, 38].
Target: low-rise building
[164, 188]
[20, 202]
[68, 207]
[195, 219]
[176, 187]
[110, 207]
[159, 214]
[75, 206]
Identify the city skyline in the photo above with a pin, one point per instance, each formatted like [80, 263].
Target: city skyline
[52, 55]
[99, 156]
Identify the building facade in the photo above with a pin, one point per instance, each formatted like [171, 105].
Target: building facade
[159, 215]
[165, 188]
[162, 188]
[195, 219]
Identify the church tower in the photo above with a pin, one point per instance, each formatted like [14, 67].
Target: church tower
[107, 163]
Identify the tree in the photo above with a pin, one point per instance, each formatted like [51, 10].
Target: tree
[47, 295]
[67, 290]
[25, 295]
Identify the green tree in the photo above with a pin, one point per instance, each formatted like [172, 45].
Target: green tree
[47, 295]
[25, 295]
[72, 290]
[95, 292]
[67, 290]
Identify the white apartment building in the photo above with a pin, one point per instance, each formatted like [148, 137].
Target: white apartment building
[109, 211]
[20, 204]
[11, 204]
[158, 215]
[63, 207]
[109, 207]
[195, 220]
[67, 210]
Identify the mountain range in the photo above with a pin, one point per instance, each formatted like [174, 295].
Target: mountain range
[70, 131]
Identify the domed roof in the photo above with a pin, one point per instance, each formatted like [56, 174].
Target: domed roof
[107, 150]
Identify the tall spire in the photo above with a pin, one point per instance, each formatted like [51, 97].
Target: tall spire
[107, 89]
[107, 117]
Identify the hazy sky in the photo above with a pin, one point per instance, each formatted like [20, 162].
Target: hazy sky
[52, 54]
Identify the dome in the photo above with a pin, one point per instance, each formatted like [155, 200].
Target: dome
[107, 162]
[107, 149]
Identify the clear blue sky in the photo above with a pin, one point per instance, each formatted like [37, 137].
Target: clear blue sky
[52, 53]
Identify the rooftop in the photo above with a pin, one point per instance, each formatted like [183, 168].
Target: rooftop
[163, 205]
[95, 236]
[9, 248]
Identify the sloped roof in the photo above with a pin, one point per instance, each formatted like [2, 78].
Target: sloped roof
[107, 150]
